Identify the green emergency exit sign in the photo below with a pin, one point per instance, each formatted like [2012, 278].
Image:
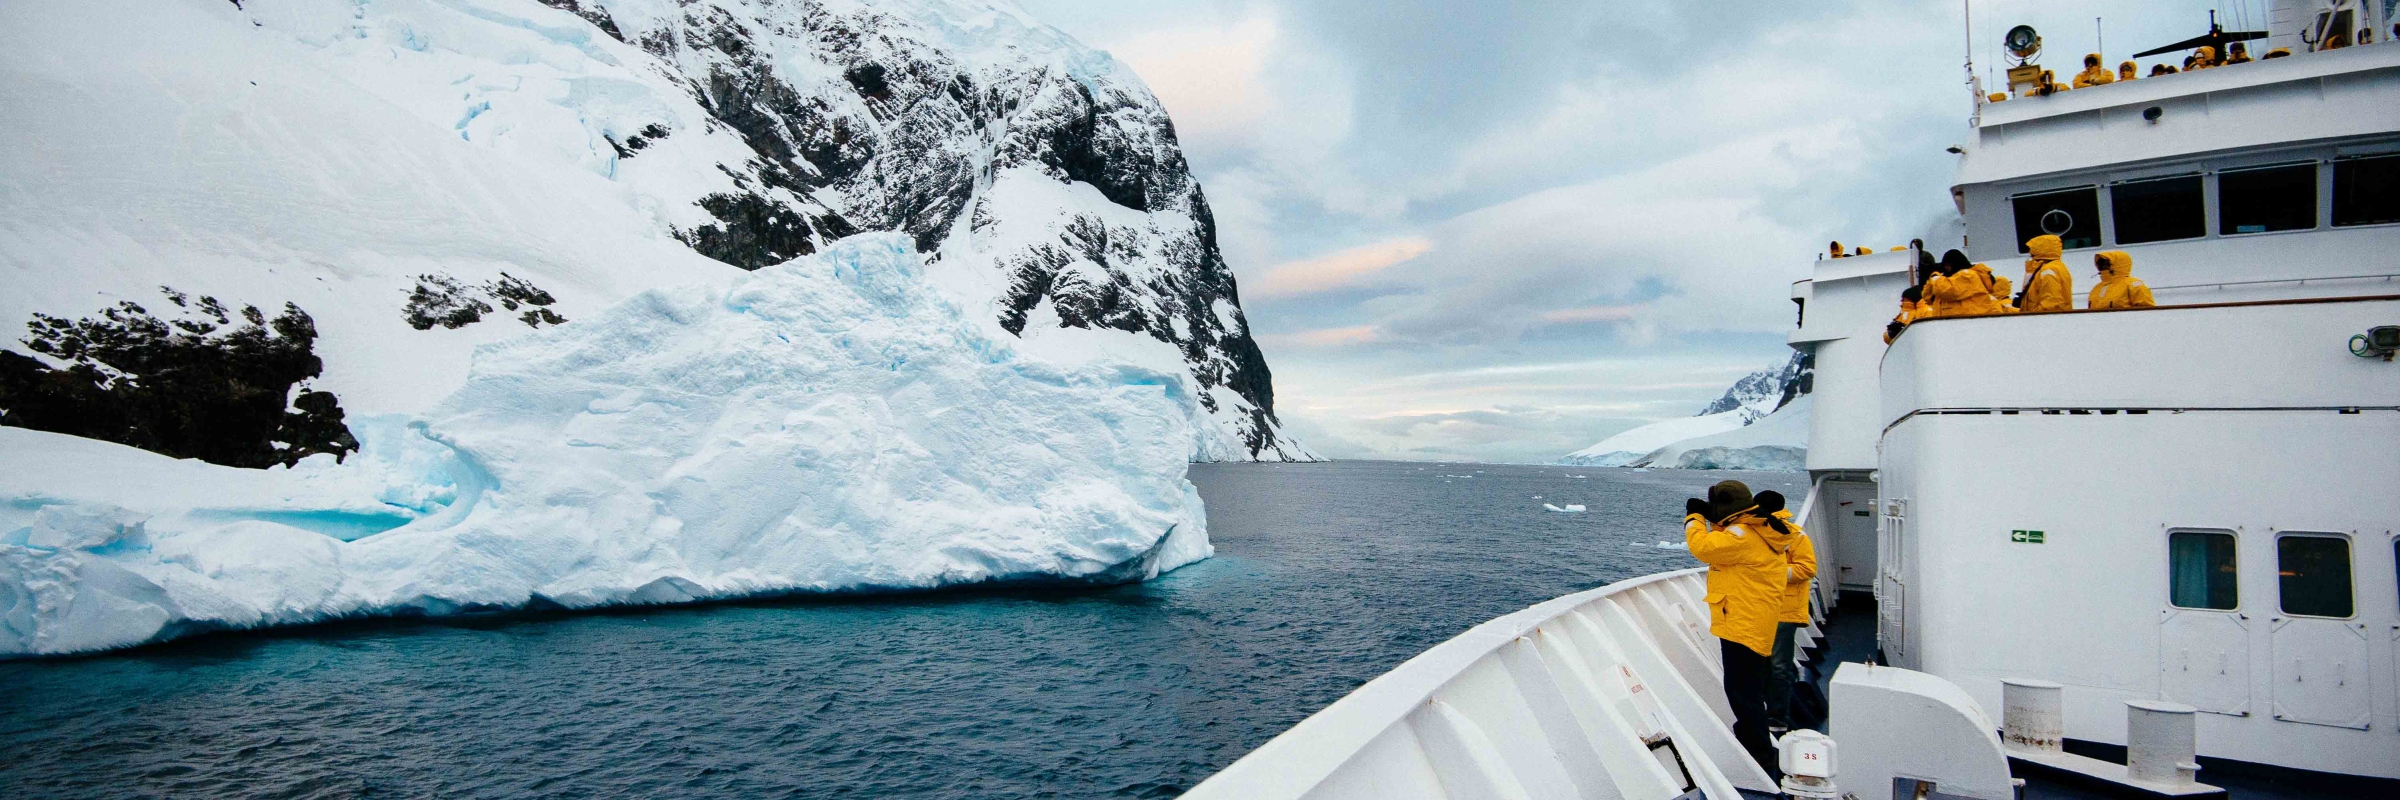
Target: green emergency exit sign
[2028, 537]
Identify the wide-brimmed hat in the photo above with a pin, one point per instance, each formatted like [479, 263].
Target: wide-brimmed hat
[1728, 498]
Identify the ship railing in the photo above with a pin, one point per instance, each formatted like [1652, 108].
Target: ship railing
[1612, 692]
[2387, 278]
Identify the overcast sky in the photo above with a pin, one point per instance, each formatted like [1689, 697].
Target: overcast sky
[1503, 231]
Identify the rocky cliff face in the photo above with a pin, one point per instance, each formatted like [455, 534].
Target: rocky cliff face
[1761, 393]
[914, 116]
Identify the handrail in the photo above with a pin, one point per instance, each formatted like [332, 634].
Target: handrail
[1614, 691]
[2289, 301]
[2297, 281]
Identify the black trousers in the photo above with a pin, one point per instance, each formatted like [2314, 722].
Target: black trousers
[1746, 689]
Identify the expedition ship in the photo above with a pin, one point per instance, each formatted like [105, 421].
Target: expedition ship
[2131, 548]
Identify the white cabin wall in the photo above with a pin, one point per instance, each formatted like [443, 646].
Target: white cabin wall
[2094, 486]
[2244, 430]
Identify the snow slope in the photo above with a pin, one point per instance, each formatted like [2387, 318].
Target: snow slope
[825, 424]
[1777, 442]
[1626, 448]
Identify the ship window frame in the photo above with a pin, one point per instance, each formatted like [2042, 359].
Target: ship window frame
[2283, 580]
[2316, 178]
[2231, 567]
[2199, 222]
[2091, 191]
[2335, 184]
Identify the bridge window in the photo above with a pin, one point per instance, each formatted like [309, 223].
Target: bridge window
[2315, 574]
[2278, 198]
[2363, 190]
[2158, 209]
[2072, 215]
[2200, 570]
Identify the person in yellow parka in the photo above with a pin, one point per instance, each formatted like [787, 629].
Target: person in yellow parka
[1746, 577]
[1968, 293]
[2118, 287]
[1910, 299]
[2000, 290]
[2048, 287]
[2093, 74]
[1800, 565]
[2127, 71]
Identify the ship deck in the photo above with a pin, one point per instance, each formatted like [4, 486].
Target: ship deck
[1850, 636]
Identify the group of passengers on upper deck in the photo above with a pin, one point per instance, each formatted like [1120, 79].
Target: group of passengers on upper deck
[2094, 74]
[1955, 288]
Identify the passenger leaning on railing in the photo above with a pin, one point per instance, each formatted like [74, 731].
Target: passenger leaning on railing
[2125, 72]
[1800, 565]
[1747, 573]
[1909, 307]
[2237, 53]
[2048, 286]
[2093, 74]
[2118, 287]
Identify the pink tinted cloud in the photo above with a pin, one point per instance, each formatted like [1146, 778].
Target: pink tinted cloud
[1337, 270]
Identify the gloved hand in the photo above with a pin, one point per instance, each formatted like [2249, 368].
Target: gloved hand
[1695, 506]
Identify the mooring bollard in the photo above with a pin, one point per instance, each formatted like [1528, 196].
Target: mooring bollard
[2032, 716]
[2159, 743]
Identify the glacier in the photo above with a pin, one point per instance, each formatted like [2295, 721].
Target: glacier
[826, 424]
[1761, 423]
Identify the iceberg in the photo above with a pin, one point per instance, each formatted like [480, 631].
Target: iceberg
[1571, 508]
[828, 424]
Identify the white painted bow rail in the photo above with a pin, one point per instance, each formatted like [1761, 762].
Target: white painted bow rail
[1610, 693]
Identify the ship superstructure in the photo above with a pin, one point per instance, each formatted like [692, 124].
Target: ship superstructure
[2170, 529]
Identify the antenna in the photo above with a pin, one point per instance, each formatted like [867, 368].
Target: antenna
[1968, 6]
[2100, 41]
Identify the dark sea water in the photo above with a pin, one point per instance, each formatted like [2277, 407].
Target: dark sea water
[1326, 575]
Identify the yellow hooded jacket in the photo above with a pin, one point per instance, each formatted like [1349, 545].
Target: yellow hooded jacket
[2048, 287]
[1801, 566]
[2001, 291]
[1908, 314]
[2093, 74]
[1964, 294]
[2118, 287]
[1746, 576]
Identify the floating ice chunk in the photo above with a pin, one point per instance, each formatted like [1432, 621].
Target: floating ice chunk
[825, 424]
[1571, 508]
[1670, 546]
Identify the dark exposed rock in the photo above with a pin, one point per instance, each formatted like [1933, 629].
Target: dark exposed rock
[753, 232]
[441, 300]
[868, 80]
[649, 135]
[197, 386]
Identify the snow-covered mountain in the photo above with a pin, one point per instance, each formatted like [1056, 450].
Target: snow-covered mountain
[424, 306]
[418, 177]
[1761, 422]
